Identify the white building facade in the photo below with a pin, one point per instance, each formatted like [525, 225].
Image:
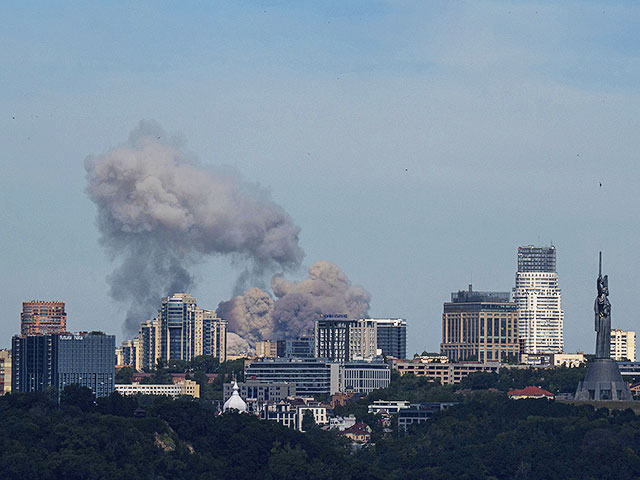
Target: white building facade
[623, 345]
[539, 301]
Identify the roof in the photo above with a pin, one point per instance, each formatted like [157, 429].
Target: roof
[359, 428]
[531, 392]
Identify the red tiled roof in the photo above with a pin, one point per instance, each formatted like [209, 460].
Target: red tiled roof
[359, 428]
[531, 392]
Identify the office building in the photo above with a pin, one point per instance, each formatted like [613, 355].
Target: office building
[364, 376]
[623, 345]
[480, 326]
[301, 347]
[341, 339]
[5, 371]
[392, 336]
[58, 360]
[317, 376]
[539, 301]
[42, 318]
[310, 376]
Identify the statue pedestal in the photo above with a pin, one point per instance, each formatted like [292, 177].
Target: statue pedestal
[603, 382]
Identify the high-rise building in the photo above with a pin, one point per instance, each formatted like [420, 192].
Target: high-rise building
[5, 371]
[61, 359]
[129, 354]
[392, 336]
[539, 300]
[40, 318]
[149, 343]
[480, 326]
[341, 339]
[187, 331]
[177, 318]
[623, 345]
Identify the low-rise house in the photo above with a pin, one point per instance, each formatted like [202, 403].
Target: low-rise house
[360, 433]
[341, 423]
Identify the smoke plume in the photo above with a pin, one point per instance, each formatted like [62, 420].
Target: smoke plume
[255, 316]
[160, 212]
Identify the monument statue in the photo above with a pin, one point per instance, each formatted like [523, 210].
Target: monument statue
[602, 308]
[603, 381]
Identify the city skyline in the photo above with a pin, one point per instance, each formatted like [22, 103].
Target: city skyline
[416, 157]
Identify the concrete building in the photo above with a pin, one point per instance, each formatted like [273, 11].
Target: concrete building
[392, 336]
[340, 339]
[623, 345]
[387, 407]
[58, 360]
[42, 317]
[256, 393]
[183, 387]
[570, 360]
[301, 347]
[129, 354]
[364, 376]
[267, 349]
[5, 371]
[539, 300]
[149, 343]
[445, 373]
[320, 377]
[480, 326]
[290, 412]
[310, 376]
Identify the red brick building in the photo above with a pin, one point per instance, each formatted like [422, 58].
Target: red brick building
[41, 318]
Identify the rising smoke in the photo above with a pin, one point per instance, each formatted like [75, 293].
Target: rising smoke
[255, 316]
[160, 212]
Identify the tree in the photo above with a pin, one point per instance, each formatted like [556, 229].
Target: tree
[124, 375]
[77, 396]
[308, 421]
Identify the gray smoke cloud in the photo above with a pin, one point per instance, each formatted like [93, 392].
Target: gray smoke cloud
[256, 316]
[160, 212]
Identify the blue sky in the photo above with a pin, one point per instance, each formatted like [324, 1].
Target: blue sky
[417, 144]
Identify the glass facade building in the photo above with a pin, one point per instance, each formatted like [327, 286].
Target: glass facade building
[392, 336]
[58, 360]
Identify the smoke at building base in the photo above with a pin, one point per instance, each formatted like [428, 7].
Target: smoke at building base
[256, 316]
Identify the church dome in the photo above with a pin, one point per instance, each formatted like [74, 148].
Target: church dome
[235, 402]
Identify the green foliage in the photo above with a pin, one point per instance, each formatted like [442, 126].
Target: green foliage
[486, 436]
[556, 380]
[308, 421]
[124, 374]
[75, 395]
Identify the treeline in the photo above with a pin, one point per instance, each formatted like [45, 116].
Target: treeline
[195, 370]
[485, 436]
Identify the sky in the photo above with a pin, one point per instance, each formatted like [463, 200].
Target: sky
[416, 144]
